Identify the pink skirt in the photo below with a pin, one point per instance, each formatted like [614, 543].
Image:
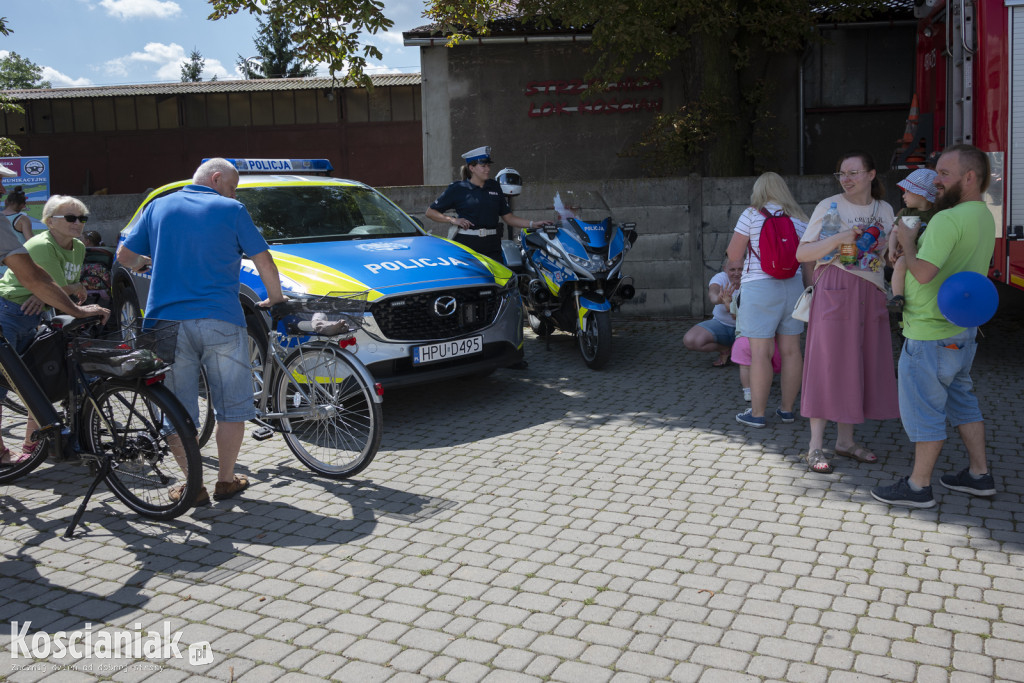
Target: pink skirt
[740, 354]
[848, 369]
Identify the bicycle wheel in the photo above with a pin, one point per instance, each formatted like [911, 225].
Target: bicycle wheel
[340, 431]
[14, 427]
[127, 429]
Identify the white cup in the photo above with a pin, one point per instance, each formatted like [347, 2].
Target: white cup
[912, 222]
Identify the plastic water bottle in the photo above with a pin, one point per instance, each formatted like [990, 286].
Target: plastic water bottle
[830, 225]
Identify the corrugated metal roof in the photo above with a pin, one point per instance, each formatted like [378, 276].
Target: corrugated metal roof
[259, 85]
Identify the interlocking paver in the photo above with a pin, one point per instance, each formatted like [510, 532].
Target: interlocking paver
[593, 526]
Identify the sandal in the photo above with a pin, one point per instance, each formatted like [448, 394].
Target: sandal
[720, 363]
[859, 454]
[8, 458]
[176, 492]
[817, 462]
[226, 489]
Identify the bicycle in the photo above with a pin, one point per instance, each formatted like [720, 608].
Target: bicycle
[317, 393]
[115, 419]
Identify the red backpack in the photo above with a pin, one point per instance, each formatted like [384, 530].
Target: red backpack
[778, 242]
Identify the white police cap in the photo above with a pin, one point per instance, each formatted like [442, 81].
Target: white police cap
[477, 155]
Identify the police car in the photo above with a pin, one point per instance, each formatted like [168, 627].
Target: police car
[435, 308]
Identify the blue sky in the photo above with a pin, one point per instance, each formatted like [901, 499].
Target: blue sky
[116, 42]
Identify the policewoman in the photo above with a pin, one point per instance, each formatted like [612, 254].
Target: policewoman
[479, 206]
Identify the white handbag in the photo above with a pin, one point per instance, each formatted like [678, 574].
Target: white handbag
[802, 310]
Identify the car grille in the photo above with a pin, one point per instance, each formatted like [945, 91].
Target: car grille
[419, 317]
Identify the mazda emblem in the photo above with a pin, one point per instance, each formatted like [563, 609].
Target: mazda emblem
[444, 306]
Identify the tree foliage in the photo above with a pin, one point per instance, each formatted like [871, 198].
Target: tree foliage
[18, 73]
[276, 53]
[192, 70]
[721, 49]
[323, 31]
[7, 146]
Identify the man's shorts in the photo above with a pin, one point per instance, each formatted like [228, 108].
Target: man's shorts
[724, 334]
[935, 385]
[766, 308]
[222, 348]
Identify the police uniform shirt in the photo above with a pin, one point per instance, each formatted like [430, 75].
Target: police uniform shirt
[482, 206]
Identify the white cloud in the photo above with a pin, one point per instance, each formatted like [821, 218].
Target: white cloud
[392, 37]
[167, 58]
[59, 80]
[141, 9]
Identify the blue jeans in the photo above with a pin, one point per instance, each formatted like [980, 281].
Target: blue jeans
[222, 349]
[18, 328]
[935, 385]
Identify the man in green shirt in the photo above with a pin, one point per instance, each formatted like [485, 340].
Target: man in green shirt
[935, 366]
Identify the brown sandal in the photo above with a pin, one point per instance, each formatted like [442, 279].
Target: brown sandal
[226, 489]
[859, 453]
[817, 462]
[176, 492]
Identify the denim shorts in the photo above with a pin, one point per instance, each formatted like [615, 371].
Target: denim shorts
[222, 349]
[766, 308]
[935, 385]
[19, 329]
[724, 334]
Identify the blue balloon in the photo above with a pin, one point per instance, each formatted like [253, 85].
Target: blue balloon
[968, 299]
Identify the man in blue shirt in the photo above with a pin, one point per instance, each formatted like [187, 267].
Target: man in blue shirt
[196, 238]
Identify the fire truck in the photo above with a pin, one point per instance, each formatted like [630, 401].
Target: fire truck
[969, 88]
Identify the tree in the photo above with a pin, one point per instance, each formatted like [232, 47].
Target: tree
[18, 73]
[723, 51]
[323, 31]
[7, 146]
[277, 56]
[192, 70]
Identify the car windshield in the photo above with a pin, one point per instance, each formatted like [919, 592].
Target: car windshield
[314, 213]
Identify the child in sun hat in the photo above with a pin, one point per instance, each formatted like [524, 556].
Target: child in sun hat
[919, 197]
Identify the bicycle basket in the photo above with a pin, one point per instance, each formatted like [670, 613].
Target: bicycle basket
[128, 354]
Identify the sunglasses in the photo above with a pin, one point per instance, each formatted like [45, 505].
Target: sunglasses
[71, 218]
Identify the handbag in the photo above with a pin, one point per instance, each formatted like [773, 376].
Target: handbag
[802, 309]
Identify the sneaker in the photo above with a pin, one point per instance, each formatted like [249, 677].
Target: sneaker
[746, 394]
[964, 482]
[785, 416]
[900, 493]
[748, 419]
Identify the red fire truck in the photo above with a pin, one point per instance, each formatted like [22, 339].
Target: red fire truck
[969, 88]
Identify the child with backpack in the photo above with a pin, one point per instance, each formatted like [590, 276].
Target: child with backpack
[766, 236]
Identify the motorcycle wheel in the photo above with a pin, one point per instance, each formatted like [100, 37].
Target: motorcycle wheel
[541, 327]
[596, 342]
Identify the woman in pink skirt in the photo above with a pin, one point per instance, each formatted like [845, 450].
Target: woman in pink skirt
[848, 368]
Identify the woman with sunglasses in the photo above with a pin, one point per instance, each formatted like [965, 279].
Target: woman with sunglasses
[479, 206]
[848, 372]
[59, 252]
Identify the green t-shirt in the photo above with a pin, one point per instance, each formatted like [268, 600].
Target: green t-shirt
[63, 265]
[957, 239]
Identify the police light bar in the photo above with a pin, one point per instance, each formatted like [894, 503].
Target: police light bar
[279, 165]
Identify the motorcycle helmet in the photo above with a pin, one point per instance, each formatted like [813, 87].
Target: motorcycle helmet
[510, 181]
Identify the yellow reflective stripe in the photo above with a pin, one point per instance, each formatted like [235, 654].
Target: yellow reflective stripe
[498, 270]
[317, 278]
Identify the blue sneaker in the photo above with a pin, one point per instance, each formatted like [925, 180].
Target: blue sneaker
[786, 417]
[964, 482]
[748, 419]
[900, 493]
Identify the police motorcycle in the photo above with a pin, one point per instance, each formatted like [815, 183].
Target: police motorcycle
[572, 279]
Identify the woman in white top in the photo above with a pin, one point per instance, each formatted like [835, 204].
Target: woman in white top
[766, 303]
[14, 209]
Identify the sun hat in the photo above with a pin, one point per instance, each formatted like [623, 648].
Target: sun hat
[920, 182]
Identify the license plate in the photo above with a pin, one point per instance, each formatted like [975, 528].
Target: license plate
[431, 353]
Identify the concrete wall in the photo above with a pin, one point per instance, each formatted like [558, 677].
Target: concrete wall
[684, 225]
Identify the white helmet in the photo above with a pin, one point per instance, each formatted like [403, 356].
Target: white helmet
[510, 181]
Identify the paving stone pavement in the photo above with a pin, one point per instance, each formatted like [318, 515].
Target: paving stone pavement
[553, 524]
